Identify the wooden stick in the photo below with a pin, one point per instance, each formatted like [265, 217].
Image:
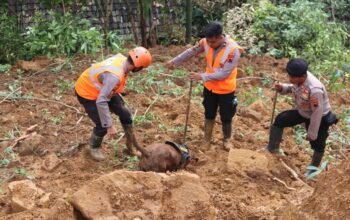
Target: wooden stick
[31, 128]
[285, 184]
[250, 77]
[10, 94]
[188, 110]
[49, 100]
[273, 108]
[168, 75]
[294, 174]
[17, 140]
[80, 119]
[151, 105]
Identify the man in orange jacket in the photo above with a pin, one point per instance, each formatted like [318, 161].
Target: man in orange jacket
[97, 90]
[222, 54]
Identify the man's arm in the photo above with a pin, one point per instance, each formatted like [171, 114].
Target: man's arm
[316, 101]
[225, 71]
[109, 81]
[188, 54]
[286, 88]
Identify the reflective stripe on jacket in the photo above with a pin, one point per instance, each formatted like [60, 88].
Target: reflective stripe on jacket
[88, 85]
[227, 85]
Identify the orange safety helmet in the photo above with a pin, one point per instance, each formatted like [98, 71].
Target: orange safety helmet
[141, 57]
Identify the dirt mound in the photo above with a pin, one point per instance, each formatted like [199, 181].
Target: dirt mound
[58, 158]
[247, 160]
[25, 195]
[60, 210]
[141, 195]
[331, 197]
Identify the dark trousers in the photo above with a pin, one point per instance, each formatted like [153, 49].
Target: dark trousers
[291, 118]
[226, 102]
[116, 105]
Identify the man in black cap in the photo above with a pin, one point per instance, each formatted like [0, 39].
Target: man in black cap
[312, 108]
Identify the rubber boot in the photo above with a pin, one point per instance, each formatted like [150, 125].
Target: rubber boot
[95, 147]
[208, 132]
[315, 161]
[129, 134]
[227, 131]
[275, 139]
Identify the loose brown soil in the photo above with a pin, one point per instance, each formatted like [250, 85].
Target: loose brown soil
[244, 188]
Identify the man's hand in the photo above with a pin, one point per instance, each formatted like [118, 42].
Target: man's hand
[310, 138]
[278, 87]
[112, 132]
[195, 76]
[170, 65]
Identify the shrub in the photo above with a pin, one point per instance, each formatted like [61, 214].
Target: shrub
[302, 29]
[11, 42]
[61, 35]
[238, 23]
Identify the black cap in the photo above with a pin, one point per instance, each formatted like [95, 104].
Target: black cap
[297, 67]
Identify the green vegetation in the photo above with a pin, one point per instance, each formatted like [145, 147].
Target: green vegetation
[307, 29]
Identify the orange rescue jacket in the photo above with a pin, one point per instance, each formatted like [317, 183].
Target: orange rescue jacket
[227, 85]
[88, 85]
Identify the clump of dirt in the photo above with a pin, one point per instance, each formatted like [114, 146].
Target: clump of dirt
[144, 195]
[241, 184]
[331, 197]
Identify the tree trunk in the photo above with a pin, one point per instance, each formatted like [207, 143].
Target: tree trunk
[188, 21]
[152, 28]
[132, 20]
[142, 25]
[105, 11]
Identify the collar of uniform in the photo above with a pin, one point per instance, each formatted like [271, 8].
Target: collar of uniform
[223, 45]
[125, 71]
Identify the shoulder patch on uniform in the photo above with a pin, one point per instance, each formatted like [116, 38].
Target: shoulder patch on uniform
[314, 101]
[230, 57]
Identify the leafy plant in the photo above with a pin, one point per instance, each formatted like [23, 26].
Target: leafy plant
[13, 133]
[11, 42]
[5, 68]
[299, 134]
[58, 119]
[8, 156]
[142, 119]
[238, 23]
[23, 172]
[249, 69]
[303, 29]
[61, 35]
[14, 91]
[251, 95]
[64, 85]
[131, 162]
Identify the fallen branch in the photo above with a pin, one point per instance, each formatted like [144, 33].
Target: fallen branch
[178, 77]
[180, 97]
[29, 132]
[285, 184]
[10, 94]
[6, 139]
[80, 119]
[294, 174]
[340, 142]
[151, 105]
[250, 77]
[54, 101]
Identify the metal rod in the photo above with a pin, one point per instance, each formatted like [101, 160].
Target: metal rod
[188, 110]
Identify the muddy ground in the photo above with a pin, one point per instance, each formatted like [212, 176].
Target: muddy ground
[244, 190]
